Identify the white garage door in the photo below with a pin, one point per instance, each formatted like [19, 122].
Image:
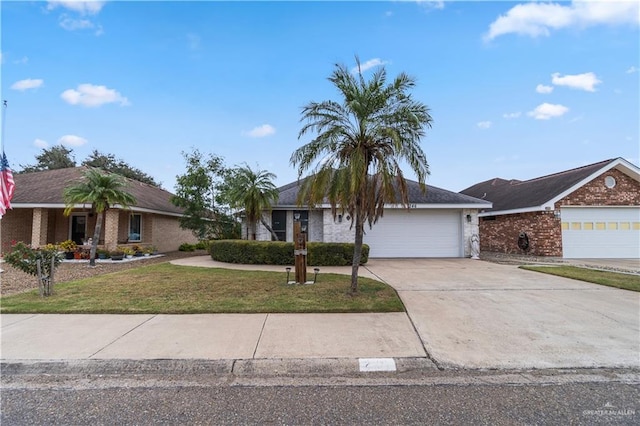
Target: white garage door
[416, 233]
[605, 232]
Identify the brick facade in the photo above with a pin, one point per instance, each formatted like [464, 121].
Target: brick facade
[40, 226]
[500, 233]
[626, 192]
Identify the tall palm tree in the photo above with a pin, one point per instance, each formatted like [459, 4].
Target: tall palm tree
[254, 192]
[102, 191]
[359, 147]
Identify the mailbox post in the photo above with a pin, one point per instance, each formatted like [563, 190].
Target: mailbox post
[300, 250]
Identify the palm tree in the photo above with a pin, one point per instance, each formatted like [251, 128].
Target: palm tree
[102, 191]
[254, 192]
[360, 144]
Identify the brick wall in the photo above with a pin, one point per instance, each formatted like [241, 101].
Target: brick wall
[626, 192]
[167, 234]
[542, 228]
[16, 226]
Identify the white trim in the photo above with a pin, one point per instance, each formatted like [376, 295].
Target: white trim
[85, 206]
[515, 211]
[413, 206]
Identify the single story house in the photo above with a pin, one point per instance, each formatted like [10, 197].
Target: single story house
[37, 215]
[438, 223]
[588, 212]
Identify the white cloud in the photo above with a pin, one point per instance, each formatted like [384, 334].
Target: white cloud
[538, 19]
[72, 140]
[511, 115]
[261, 131]
[546, 111]
[632, 70]
[484, 124]
[368, 65]
[90, 95]
[586, 81]
[22, 60]
[90, 7]
[431, 4]
[28, 83]
[40, 143]
[193, 41]
[541, 88]
[72, 24]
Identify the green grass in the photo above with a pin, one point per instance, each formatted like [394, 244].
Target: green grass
[611, 279]
[172, 289]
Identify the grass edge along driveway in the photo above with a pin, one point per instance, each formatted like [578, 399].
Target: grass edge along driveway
[595, 276]
[172, 289]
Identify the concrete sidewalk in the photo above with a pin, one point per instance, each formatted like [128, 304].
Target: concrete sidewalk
[208, 336]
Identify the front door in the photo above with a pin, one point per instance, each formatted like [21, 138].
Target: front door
[279, 224]
[78, 228]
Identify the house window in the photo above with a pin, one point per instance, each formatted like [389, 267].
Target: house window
[135, 227]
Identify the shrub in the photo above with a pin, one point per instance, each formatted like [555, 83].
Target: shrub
[202, 245]
[187, 247]
[281, 253]
[24, 258]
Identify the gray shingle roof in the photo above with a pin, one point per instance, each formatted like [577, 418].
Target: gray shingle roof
[516, 194]
[433, 195]
[46, 187]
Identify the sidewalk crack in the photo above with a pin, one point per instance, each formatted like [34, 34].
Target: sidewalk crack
[264, 323]
[120, 337]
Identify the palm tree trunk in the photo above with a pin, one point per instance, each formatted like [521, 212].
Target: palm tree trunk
[357, 254]
[96, 237]
[269, 228]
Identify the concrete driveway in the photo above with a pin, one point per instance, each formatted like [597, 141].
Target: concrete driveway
[477, 314]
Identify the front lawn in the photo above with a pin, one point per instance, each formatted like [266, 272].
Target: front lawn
[611, 279]
[172, 289]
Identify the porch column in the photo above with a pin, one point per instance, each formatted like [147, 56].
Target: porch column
[111, 229]
[39, 227]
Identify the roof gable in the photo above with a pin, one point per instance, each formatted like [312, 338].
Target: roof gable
[45, 188]
[433, 195]
[535, 194]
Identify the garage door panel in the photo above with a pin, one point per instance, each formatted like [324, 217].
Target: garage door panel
[607, 232]
[415, 233]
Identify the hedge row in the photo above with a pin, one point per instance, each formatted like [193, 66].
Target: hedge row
[281, 253]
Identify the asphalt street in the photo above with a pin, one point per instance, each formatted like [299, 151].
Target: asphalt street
[196, 393]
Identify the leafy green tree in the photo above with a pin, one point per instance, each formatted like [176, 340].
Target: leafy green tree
[101, 190]
[109, 163]
[196, 192]
[254, 192]
[56, 157]
[360, 144]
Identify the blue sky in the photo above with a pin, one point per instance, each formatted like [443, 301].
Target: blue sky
[516, 89]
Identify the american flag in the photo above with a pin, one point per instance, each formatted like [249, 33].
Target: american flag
[7, 185]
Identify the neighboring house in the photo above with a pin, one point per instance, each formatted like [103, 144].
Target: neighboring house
[37, 215]
[438, 223]
[588, 212]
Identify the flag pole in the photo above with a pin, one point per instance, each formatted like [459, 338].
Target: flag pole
[4, 115]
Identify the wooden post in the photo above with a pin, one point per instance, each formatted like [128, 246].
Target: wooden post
[300, 253]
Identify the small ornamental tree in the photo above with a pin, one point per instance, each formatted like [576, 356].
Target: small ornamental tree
[23, 257]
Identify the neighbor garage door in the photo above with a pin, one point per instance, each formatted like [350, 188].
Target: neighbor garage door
[416, 233]
[604, 232]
